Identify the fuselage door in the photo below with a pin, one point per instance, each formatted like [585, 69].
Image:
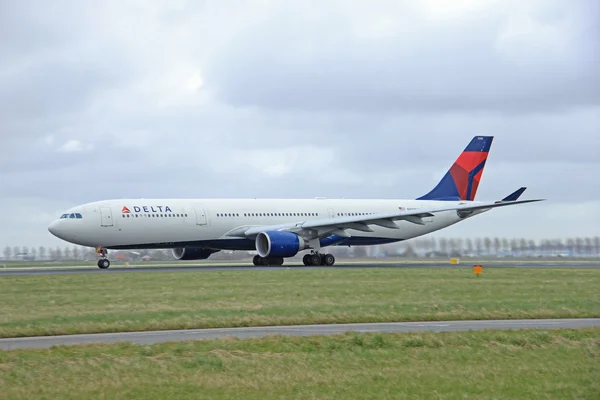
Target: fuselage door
[200, 215]
[106, 216]
[331, 212]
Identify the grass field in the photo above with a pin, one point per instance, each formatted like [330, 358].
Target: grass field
[561, 364]
[79, 303]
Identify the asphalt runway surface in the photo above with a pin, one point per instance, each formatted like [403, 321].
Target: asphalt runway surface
[92, 269]
[152, 337]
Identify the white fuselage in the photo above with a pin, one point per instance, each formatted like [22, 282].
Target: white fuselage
[174, 223]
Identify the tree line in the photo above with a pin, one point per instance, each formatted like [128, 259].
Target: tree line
[419, 247]
[517, 247]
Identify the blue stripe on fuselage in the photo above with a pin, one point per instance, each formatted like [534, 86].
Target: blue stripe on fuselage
[248, 244]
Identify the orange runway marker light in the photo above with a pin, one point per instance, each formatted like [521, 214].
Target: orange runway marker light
[477, 269]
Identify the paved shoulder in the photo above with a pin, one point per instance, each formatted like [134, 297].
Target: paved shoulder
[151, 337]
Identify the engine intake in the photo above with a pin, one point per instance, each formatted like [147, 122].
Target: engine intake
[192, 253]
[279, 244]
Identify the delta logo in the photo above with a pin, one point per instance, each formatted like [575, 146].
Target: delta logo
[147, 209]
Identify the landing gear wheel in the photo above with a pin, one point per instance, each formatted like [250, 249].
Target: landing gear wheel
[264, 261]
[329, 259]
[103, 263]
[278, 261]
[306, 260]
[257, 260]
[315, 259]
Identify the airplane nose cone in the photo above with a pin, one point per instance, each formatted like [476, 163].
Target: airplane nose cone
[54, 229]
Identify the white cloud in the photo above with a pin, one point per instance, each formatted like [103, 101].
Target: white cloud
[49, 140]
[278, 162]
[74, 146]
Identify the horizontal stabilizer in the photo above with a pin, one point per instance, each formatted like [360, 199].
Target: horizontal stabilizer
[515, 195]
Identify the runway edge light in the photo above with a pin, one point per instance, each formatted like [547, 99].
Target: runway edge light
[477, 269]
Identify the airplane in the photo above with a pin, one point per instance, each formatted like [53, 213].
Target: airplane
[280, 228]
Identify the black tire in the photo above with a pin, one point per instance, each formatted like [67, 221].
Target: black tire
[306, 260]
[256, 260]
[103, 263]
[279, 261]
[315, 259]
[264, 261]
[329, 259]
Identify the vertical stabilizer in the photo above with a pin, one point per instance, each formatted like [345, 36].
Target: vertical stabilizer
[462, 179]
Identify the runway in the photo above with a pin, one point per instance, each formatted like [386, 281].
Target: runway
[152, 337]
[91, 269]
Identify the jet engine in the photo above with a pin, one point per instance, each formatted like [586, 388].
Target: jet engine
[192, 253]
[279, 244]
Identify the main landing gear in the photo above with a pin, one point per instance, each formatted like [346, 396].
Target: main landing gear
[266, 261]
[103, 262]
[316, 259]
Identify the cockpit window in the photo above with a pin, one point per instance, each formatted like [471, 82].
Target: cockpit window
[72, 215]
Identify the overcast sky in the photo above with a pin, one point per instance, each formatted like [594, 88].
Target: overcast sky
[370, 99]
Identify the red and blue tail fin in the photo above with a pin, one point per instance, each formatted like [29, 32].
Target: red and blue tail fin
[462, 180]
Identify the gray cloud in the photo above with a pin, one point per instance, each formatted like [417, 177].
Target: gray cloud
[184, 99]
[505, 62]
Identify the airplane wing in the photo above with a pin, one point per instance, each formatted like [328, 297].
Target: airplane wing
[338, 225]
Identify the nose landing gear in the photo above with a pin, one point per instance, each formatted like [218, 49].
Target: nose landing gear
[103, 262]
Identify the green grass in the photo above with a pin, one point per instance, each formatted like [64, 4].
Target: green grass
[81, 303]
[561, 364]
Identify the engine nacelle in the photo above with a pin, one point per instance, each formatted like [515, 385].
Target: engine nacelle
[279, 244]
[192, 253]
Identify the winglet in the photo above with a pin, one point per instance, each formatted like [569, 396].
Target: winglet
[515, 195]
